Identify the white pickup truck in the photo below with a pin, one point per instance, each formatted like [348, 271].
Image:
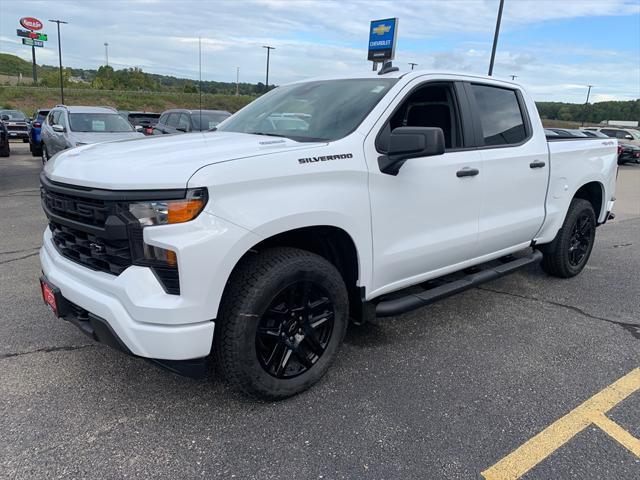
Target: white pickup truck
[322, 201]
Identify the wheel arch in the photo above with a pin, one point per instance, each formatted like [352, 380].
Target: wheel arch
[594, 193]
[331, 242]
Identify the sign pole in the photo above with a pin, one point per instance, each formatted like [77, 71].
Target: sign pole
[33, 58]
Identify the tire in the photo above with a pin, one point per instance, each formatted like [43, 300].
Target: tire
[36, 150]
[5, 151]
[569, 252]
[45, 154]
[256, 331]
[25, 140]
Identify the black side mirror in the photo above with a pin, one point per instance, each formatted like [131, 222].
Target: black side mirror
[4, 118]
[411, 142]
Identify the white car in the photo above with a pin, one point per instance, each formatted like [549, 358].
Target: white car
[258, 242]
[69, 127]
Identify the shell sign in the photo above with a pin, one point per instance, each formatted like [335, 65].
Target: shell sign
[31, 23]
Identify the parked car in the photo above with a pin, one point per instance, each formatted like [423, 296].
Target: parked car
[68, 127]
[17, 124]
[260, 245]
[35, 128]
[5, 149]
[141, 121]
[627, 135]
[628, 153]
[594, 133]
[183, 121]
[567, 132]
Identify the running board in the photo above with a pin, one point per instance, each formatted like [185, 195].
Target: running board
[388, 308]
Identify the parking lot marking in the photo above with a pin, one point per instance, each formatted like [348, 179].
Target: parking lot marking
[592, 411]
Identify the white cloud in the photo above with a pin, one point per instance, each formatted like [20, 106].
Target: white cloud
[317, 37]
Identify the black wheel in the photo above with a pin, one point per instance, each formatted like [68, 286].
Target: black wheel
[45, 154]
[282, 319]
[569, 252]
[5, 151]
[25, 140]
[36, 150]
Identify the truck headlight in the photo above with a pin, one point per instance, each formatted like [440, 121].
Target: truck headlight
[164, 212]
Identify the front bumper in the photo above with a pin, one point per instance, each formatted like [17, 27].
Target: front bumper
[107, 298]
[18, 134]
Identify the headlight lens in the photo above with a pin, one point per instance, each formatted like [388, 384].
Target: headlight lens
[164, 212]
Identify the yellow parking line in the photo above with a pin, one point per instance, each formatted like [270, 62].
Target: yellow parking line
[532, 452]
[618, 433]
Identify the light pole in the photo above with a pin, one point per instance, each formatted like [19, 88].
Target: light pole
[268, 51]
[495, 37]
[412, 65]
[586, 104]
[60, 58]
[237, 81]
[106, 53]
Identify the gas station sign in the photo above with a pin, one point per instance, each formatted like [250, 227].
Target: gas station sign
[34, 35]
[32, 43]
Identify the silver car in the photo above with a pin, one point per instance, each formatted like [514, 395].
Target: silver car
[68, 127]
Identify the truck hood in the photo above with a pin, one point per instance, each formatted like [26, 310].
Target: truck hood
[158, 162]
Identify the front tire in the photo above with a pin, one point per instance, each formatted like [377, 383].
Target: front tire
[282, 320]
[5, 151]
[569, 252]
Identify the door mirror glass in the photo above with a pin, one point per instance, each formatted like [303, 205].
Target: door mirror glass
[58, 128]
[411, 142]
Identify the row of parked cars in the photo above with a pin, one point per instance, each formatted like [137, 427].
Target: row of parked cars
[628, 139]
[49, 131]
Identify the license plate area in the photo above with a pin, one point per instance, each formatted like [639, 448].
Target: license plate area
[53, 298]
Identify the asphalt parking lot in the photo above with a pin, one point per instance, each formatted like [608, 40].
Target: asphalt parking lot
[449, 391]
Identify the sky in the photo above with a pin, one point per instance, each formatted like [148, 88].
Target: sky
[555, 47]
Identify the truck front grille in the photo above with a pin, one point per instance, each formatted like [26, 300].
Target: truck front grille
[94, 228]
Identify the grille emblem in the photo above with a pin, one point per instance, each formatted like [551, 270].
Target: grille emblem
[96, 247]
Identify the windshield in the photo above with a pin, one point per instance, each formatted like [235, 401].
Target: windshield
[14, 115]
[311, 111]
[98, 123]
[209, 119]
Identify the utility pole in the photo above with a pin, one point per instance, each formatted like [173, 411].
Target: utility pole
[106, 53]
[513, 77]
[237, 81]
[33, 58]
[584, 114]
[268, 51]
[412, 65]
[495, 37]
[60, 58]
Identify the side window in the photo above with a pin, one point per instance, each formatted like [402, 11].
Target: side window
[432, 105]
[62, 119]
[622, 134]
[184, 122]
[501, 119]
[163, 119]
[608, 132]
[173, 119]
[55, 117]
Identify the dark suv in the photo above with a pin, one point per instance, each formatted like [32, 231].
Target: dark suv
[182, 121]
[17, 124]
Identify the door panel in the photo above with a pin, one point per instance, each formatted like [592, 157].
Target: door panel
[515, 169]
[426, 217]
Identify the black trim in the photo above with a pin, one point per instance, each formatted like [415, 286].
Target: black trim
[113, 195]
[99, 330]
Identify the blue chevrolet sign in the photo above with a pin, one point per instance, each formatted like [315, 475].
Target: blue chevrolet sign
[382, 39]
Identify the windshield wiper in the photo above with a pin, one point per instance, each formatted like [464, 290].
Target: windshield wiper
[268, 134]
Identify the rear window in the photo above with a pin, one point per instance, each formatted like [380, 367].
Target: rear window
[98, 123]
[500, 115]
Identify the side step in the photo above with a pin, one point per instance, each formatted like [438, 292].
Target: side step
[388, 308]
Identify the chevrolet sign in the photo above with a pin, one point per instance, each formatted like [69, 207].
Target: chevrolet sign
[382, 39]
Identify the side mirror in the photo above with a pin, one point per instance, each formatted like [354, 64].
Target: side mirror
[58, 128]
[411, 142]
[4, 118]
[629, 137]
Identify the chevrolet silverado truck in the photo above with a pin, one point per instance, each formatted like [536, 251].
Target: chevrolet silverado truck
[255, 244]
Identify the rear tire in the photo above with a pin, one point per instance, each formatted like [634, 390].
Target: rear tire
[36, 151]
[5, 151]
[282, 319]
[569, 252]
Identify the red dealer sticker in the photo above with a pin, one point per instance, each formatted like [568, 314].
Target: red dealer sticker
[31, 23]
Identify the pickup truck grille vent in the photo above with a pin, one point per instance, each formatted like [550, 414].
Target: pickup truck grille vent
[85, 210]
[89, 250]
